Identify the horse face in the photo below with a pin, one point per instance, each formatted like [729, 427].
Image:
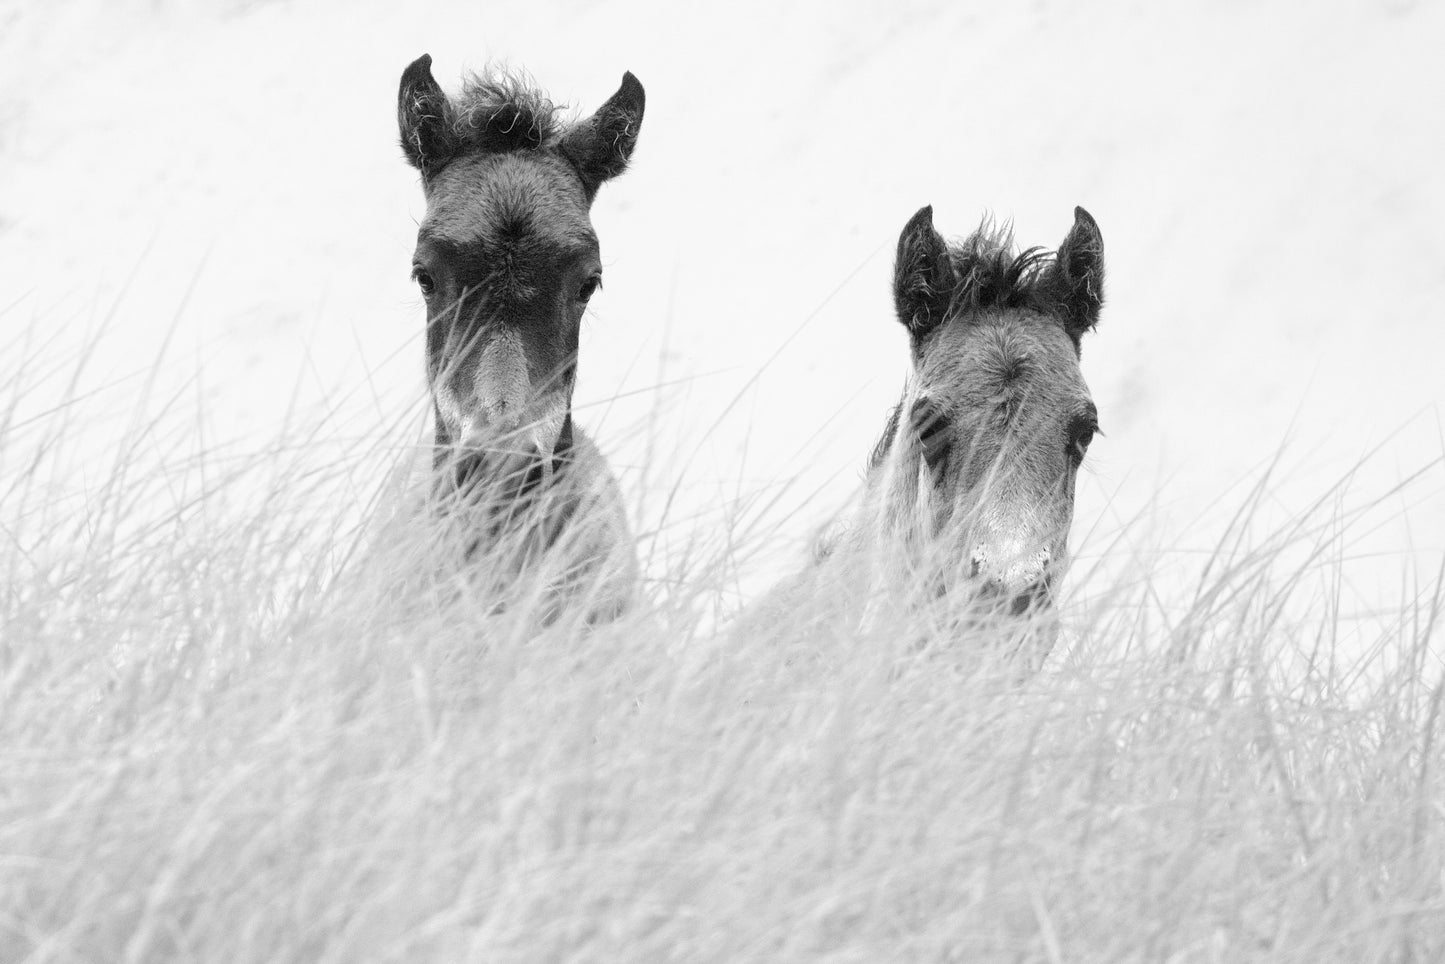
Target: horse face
[998, 415]
[998, 425]
[506, 259]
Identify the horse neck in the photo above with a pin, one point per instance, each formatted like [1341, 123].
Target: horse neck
[458, 472]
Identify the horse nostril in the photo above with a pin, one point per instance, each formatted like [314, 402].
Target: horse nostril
[1033, 598]
[993, 588]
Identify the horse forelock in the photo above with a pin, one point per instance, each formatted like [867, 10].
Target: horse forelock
[992, 274]
[499, 111]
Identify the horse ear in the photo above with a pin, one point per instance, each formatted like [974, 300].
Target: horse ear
[1080, 270]
[600, 146]
[424, 116]
[923, 278]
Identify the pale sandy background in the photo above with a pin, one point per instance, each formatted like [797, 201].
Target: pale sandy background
[1267, 178]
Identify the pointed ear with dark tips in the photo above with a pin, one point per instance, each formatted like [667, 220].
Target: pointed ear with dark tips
[923, 276]
[1080, 271]
[600, 146]
[424, 116]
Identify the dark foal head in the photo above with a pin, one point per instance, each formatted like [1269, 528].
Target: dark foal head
[506, 257]
[997, 418]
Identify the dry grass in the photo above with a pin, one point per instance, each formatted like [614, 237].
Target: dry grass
[239, 723]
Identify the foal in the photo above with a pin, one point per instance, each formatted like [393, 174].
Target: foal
[507, 259]
[972, 483]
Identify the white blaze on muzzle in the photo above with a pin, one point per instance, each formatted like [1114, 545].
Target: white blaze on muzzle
[1012, 565]
[502, 413]
[502, 382]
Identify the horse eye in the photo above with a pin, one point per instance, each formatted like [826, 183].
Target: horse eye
[423, 280]
[589, 287]
[932, 427]
[1081, 433]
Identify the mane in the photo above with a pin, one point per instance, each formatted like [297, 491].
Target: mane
[498, 111]
[991, 273]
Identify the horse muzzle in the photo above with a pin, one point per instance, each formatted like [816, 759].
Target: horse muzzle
[1015, 583]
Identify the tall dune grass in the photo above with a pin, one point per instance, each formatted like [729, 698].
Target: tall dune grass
[246, 716]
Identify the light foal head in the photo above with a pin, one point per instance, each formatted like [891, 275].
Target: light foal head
[506, 256]
[981, 456]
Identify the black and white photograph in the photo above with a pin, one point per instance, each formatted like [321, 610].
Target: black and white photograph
[629, 481]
